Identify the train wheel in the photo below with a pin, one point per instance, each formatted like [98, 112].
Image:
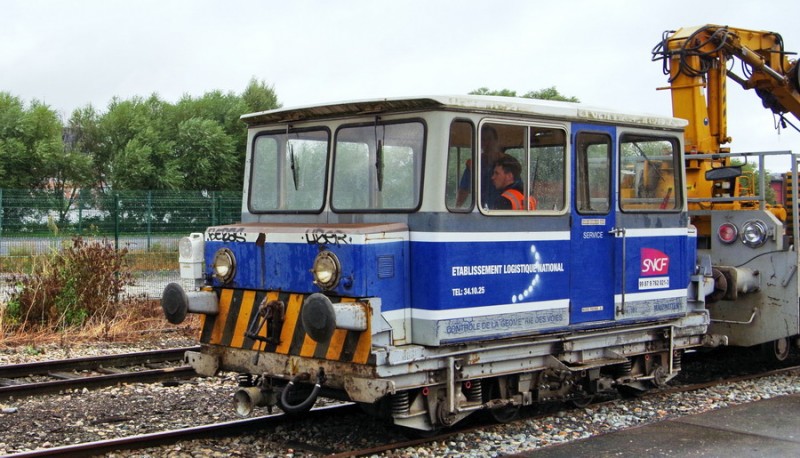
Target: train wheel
[503, 414]
[583, 402]
[630, 392]
[777, 350]
[412, 433]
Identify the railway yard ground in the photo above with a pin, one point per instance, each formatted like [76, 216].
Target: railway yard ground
[766, 428]
[79, 415]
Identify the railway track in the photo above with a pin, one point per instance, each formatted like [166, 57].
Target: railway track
[91, 372]
[173, 436]
[318, 415]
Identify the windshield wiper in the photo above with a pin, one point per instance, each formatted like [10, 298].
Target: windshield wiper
[379, 164]
[379, 153]
[294, 165]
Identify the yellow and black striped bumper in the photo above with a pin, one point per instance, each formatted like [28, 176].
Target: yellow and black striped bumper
[238, 308]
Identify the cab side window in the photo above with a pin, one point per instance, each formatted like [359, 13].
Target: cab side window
[523, 168]
[593, 188]
[458, 193]
[648, 178]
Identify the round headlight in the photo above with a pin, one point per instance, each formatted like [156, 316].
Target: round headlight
[224, 264]
[326, 270]
[727, 232]
[754, 233]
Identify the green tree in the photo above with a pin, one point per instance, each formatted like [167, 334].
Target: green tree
[83, 134]
[550, 93]
[34, 157]
[204, 149]
[487, 91]
[12, 148]
[27, 137]
[222, 108]
[11, 113]
[70, 171]
[138, 145]
[145, 165]
[31, 146]
[258, 96]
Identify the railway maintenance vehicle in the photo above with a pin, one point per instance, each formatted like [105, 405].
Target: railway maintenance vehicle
[374, 262]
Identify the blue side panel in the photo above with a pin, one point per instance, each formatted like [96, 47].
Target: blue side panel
[478, 288]
[458, 275]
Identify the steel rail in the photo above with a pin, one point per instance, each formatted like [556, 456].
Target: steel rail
[93, 362]
[173, 436]
[50, 368]
[95, 381]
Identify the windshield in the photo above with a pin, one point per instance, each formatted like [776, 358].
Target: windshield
[288, 172]
[378, 167]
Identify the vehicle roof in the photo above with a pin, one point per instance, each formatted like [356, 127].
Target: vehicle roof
[488, 104]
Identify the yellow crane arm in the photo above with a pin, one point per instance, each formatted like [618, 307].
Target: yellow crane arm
[696, 60]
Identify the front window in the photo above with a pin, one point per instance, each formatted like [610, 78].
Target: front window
[288, 172]
[649, 178]
[378, 167]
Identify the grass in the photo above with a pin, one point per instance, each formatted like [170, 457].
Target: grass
[158, 260]
[138, 261]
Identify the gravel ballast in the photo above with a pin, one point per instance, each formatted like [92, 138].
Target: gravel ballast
[81, 416]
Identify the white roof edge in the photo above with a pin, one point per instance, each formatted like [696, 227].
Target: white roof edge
[550, 108]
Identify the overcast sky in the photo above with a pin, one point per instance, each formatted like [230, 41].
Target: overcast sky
[73, 53]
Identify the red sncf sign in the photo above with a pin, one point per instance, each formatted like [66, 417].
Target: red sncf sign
[654, 262]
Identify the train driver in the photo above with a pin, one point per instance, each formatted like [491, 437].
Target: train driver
[507, 182]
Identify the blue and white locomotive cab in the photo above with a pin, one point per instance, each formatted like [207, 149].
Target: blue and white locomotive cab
[378, 261]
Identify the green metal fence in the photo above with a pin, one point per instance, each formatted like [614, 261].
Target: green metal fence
[147, 223]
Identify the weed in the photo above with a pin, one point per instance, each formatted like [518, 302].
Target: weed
[70, 286]
[31, 350]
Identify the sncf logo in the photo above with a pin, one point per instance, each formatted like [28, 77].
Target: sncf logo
[654, 262]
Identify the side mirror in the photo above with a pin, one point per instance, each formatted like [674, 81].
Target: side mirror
[724, 173]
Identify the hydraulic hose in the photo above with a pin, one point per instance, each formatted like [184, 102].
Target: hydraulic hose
[306, 404]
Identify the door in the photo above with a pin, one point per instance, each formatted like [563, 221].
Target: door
[592, 254]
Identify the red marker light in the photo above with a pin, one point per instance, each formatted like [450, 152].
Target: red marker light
[727, 232]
